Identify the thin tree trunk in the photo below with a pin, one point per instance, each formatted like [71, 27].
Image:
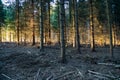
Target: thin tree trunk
[62, 26]
[33, 30]
[92, 26]
[49, 31]
[58, 20]
[110, 29]
[17, 6]
[25, 23]
[73, 23]
[77, 27]
[70, 13]
[41, 27]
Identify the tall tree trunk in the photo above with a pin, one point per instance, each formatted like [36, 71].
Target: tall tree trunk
[110, 29]
[41, 27]
[92, 26]
[62, 27]
[70, 11]
[25, 22]
[77, 27]
[49, 31]
[73, 23]
[33, 31]
[58, 20]
[17, 24]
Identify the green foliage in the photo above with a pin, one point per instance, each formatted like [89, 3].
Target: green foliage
[54, 19]
[1, 12]
[117, 11]
[83, 11]
[101, 8]
[9, 17]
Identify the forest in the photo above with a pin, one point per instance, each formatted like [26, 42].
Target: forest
[59, 40]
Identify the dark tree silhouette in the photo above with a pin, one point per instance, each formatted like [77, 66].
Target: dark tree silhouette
[41, 26]
[62, 27]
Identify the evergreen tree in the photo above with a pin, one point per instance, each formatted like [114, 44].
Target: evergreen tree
[1, 19]
[77, 26]
[41, 26]
[92, 26]
[62, 27]
[110, 29]
[17, 21]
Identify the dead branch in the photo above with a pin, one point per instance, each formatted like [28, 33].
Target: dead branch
[61, 76]
[111, 74]
[7, 77]
[101, 77]
[100, 74]
[110, 64]
[117, 66]
[37, 76]
[79, 73]
[50, 77]
[107, 64]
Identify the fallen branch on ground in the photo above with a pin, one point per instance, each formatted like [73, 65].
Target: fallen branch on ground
[79, 73]
[102, 75]
[110, 64]
[50, 77]
[37, 76]
[7, 77]
[61, 76]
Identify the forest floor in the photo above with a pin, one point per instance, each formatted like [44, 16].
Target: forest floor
[28, 63]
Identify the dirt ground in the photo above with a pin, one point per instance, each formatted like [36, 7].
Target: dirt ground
[28, 63]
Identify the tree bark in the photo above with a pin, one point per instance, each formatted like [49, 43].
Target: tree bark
[58, 20]
[41, 27]
[110, 29]
[92, 26]
[62, 27]
[77, 27]
[33, 30]
[17, 24]
[49, 31]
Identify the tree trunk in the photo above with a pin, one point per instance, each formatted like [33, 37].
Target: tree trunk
[92, 26]
[41, 27]
[110, 29]
[49, 31]
[77, 27]
[33, 30]
[17, 24]
[73, 23]
[62, 27]
[58, 20]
